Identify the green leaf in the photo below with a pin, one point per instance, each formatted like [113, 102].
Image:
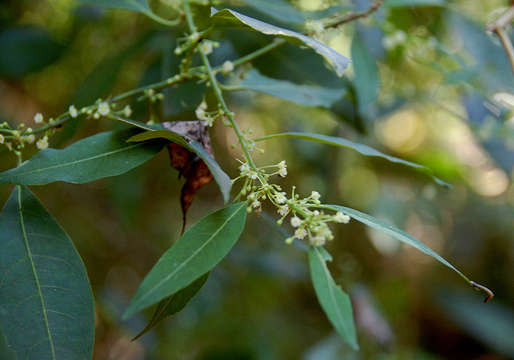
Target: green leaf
[395, 233]
[231, 17]
[334, 301]
[366, 80]
[135, 5]
[223, 180]
[102, 155]
[284, 12]
[195, 253]
[360, 148]
[173, 304]
[307, 95]
[46, 307]
[278, 9]
[409, 3]
[19, 44]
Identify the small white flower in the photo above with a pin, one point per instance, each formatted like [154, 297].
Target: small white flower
[315, 195]
[318, 240]
[194, 36]
[388, 42]
[315, 212]
[42, 143]
[2, 139]
[127, 111]
[253, 175]
[296, 221]
[29, 139]
[400, 37]
[209, 121]
[29, 130]
[256, 204]
[341, 218]
[206, 47]
[103, 108]
[281, 198]
[227, 66]
[200, 114]
[38, 118]
[244, 168]
[283, 210]
[73, 111]
[282, 168]
[300, 233]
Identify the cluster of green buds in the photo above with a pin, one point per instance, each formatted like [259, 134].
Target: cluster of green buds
[306, 218]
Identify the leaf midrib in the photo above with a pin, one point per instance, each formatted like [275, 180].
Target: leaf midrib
[34, 272]
[77, 161]
[149, 292]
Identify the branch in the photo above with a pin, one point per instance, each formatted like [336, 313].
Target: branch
[499, 28]
[354, 16]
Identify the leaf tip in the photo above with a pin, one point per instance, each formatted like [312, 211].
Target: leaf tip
[479, 287]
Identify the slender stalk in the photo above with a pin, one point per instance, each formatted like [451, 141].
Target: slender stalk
[217, 91]
[355, 16]
[163, 21]
[499, 26]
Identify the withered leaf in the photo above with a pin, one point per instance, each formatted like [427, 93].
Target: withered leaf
[188, 164]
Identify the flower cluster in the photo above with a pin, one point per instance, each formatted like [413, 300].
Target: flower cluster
[306, 218]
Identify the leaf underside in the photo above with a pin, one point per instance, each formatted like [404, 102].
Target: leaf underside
[173, 304]
[230, 18]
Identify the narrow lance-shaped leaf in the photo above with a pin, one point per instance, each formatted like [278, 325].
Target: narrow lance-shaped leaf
[194, 254]
[46, 307]
[223, 180]
[360, 148]
[334, 301]
[173, 304]
[406, 238]
[366, 79]
[306, 95]
[231, 17]
[102, 155]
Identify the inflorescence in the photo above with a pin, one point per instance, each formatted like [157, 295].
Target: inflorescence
[305, 217]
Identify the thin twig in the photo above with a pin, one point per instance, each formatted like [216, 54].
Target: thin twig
[499, 28]
[354, 16]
